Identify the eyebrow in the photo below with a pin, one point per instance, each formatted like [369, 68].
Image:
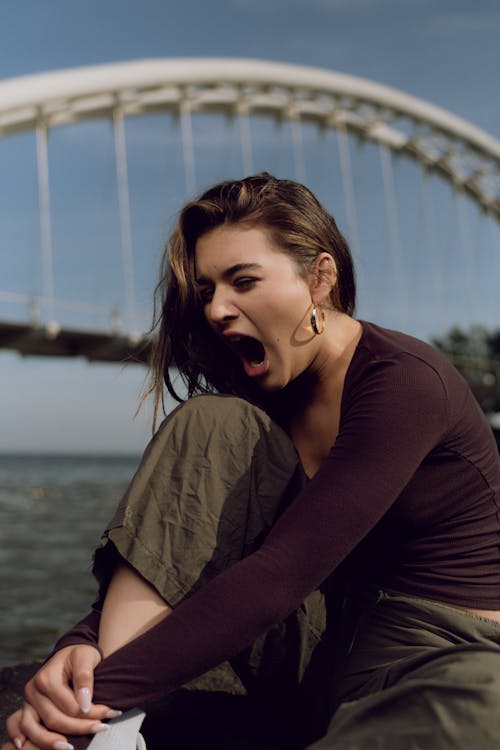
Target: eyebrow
[231, 271]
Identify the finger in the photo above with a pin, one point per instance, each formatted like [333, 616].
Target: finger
[55, 725]
[55, 680]
[51, 692]
[83, 662]
[37, 734]
[17, 741]
[14, 730]
[45, 694]
[58, 709]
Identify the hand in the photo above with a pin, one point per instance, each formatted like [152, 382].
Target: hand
[59, 698]
[18, 739]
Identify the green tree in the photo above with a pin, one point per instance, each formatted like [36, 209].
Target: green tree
[476, 354]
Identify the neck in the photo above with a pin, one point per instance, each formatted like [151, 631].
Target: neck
[322, 382]
[315, 398]
[335, 349]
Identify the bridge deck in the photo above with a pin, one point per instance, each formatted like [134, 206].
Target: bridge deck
[96, 346]
[102, 346]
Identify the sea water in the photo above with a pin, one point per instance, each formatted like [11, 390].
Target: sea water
[52, 512]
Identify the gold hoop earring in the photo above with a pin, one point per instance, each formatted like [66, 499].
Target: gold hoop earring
[317, 320]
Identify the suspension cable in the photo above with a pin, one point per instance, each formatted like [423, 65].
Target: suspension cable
[393, 229]
[246, 142]
[125, 220]
[298, 151]
[188, 149]
[348, 189]
[430, 239]
[45, 227]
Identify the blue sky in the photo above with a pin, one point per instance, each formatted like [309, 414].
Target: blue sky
[444, 51]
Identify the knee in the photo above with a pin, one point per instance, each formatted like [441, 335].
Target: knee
[213, 416]
[226, 435]
[221, 407]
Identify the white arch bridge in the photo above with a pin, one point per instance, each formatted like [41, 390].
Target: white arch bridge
[95, 162]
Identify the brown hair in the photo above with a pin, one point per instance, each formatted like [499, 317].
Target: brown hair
[296, 223]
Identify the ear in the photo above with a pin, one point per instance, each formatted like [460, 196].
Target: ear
[323, 278]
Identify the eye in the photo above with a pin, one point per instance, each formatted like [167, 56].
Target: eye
[206, 294]
[245, 282]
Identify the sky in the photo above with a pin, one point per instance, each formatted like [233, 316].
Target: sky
[444, 51]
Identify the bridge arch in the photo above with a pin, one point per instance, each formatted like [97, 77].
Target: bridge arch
[442, 142]
[239, 91]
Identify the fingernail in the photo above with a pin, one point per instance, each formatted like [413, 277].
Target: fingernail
[84, 700]
[113, 714]
[100, 727]
[18, 743]
[60, 745]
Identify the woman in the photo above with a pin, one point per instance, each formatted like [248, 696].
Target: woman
[397, 491]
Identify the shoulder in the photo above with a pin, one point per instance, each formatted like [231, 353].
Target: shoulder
[387, 343]
[395, 370]
[406, 358]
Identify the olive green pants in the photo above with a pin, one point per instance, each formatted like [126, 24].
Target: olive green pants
[208, 489]
[420, 676]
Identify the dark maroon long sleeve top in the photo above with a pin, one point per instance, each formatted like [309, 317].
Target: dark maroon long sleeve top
[414, 469]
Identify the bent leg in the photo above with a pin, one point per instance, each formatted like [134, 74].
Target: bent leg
[420, 675]
[451, 702]
[208, 490]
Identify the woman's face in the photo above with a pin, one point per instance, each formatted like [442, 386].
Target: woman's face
[256, 300]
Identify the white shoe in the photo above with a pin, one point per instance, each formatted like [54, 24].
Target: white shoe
[122, 734]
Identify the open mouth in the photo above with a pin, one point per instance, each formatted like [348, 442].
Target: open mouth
[252, 354]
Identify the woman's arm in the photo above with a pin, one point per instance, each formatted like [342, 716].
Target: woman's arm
[58, 700]
[61, 691]
[396, 416]
[86, 631]
[131, 607]
[393, 418]
[60, 694]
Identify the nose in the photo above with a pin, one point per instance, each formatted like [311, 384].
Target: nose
[220, 308]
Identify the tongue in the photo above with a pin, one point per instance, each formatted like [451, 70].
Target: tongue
[254, 369]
